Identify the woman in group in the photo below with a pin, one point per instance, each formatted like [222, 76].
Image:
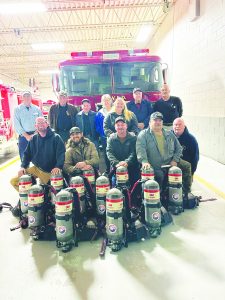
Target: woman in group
[107, 103]
[119, 109]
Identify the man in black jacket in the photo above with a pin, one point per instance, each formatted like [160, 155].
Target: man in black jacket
[188, 143]
[45, 150]
[62, 116]
[85, 120]
[169, 106]
[121, 150]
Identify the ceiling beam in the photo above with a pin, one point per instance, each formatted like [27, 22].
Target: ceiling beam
[74, 27]
[104, 4]
[85, 41]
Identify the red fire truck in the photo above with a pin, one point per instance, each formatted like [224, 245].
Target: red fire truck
[91, 74]
[46, 107]
[9, 99]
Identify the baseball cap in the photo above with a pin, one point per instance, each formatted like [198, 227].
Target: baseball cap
[156, 115]
[63, 93]
[136, 90]
[120, 119]
[27, 93]
[85, 100]
[75, 130]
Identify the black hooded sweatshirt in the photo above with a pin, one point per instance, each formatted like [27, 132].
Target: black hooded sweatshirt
[46, 153]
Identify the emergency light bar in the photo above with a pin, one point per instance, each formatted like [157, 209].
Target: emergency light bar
[113, 54]
[107, 56]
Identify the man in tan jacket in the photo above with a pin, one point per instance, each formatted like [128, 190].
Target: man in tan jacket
[81, 154]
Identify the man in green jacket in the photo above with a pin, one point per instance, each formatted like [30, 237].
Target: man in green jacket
[157, 147]
[81, 154]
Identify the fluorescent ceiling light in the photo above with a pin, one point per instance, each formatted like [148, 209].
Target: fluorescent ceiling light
[48, 46]
[144, 33]
[47, 72]
[21, 8]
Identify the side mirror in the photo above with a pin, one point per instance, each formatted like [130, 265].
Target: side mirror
[55, 83]
[164, 72]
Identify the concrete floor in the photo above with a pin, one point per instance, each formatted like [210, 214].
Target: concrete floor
[185, 262]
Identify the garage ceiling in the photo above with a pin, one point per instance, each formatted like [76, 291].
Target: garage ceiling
[79, 25]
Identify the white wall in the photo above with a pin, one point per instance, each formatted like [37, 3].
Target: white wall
[47, 94]
[195, 53]
[6, 80]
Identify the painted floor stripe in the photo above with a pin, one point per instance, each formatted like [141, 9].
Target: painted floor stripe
[209, 186]
[9, 163]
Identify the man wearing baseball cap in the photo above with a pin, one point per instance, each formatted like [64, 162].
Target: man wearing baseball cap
[62, 115]
[25, 116]
[141, 108]
[121, 149]
[157, 147]
[81, 153]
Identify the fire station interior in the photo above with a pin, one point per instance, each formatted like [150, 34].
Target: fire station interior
[186, 261]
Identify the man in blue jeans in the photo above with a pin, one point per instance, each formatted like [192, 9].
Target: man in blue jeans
[25, 116]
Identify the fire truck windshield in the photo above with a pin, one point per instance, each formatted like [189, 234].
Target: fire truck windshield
[86, 80]
[110, 78]
[145, 75]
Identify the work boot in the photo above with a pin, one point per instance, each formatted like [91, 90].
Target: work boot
[116, 246]
[190, 201]
[154, 232]
[67, 247]
[166, 217]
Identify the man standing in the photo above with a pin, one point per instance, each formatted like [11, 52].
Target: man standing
[157, 147]
[85, 120]
[24, 121]
[45, 150]
[188, 143]
[61, 116]
[81, 154]
[121, 149]
[141, 108]
[169, 106]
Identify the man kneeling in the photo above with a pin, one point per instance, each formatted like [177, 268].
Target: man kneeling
[46, 151]
[157, 147]
[81, 154]
[121, 150]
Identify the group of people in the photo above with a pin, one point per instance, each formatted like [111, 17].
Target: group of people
[137, 134]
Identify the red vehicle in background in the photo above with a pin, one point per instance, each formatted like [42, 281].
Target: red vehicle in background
[35, 99]
[46, 107]
[9, 99]
[91, 74]
[7, 104]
